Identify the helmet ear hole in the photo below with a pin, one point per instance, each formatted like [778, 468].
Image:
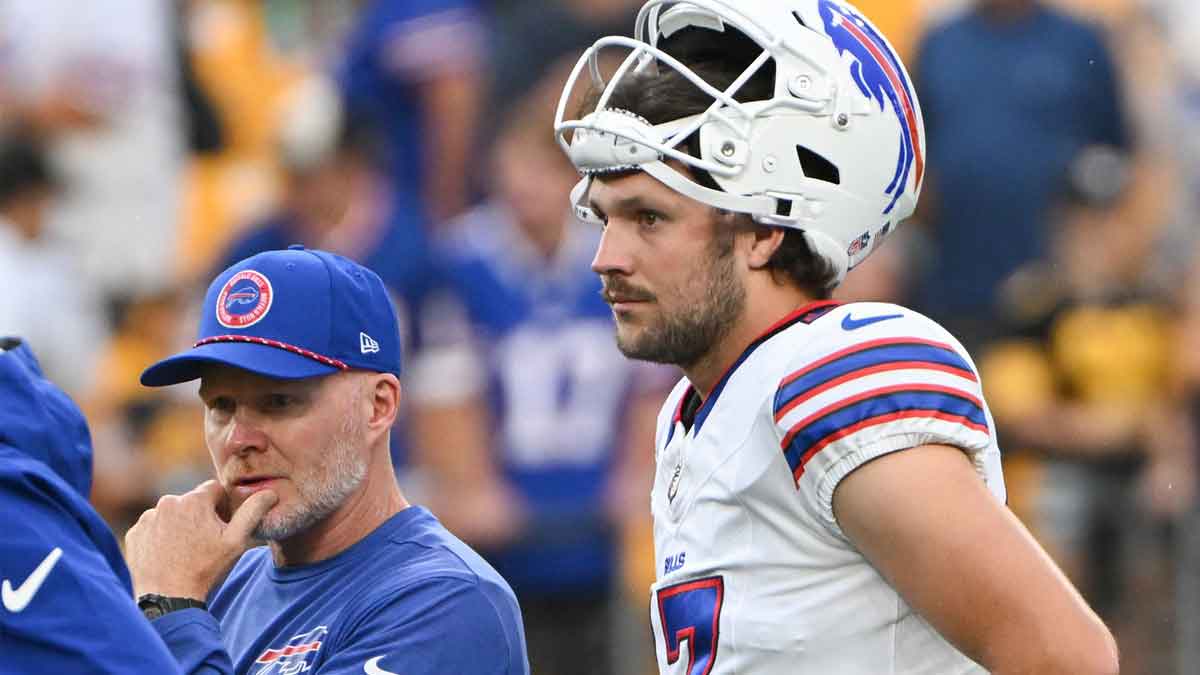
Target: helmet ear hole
[817, 167]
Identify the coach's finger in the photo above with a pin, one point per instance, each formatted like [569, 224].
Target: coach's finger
[249, 515]
[212, 490]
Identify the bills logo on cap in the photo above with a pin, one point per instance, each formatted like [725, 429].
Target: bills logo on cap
[879, 76]
[244, 300]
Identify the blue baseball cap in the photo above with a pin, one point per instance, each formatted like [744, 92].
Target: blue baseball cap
[290, 314]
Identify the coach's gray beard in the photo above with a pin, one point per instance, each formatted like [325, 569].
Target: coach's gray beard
[686, 337]
[322, 489]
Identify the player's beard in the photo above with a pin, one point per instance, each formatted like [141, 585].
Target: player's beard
[323, 487]
[709, 306]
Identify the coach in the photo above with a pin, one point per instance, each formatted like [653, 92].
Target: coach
[298, 359]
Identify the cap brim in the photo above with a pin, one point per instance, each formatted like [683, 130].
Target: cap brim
[255, 358]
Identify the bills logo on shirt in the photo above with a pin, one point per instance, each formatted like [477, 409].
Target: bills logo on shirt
[244, 299]
[295, 657]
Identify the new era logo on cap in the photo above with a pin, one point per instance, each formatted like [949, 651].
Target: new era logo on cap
[291, 314]
[367, 344]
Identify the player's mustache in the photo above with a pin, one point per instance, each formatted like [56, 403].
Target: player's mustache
[618, 290]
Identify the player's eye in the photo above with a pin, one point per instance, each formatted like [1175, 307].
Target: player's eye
[647, 218]
[600, 216]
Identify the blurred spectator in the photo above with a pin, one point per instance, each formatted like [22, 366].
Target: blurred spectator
[413, 69]
[101, 81]
[1177, 113]
[537, 432]
[1187, 565]
[247, 78]
[1085, 380]
[1010, 90]
[336, 197]
[42, 295]
[145, 440]
[531, 36]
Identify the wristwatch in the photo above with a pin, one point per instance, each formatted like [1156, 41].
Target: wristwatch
[154, 605]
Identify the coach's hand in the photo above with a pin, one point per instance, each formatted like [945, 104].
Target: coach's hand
[182, 548]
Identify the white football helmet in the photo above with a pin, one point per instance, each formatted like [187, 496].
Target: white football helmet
[837, 152]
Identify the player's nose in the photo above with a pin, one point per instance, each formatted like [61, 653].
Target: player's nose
[613, 255]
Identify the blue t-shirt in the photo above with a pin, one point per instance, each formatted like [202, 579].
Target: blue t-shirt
[1006, 107]
[555, 382]
[68, 602]
[409, 598]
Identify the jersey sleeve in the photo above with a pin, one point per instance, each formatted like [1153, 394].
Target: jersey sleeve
[449, 368]
[440, 625]
[65, 608]
[896, 384]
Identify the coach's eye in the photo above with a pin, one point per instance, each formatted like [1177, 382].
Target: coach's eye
[278, 401]
[222, 405]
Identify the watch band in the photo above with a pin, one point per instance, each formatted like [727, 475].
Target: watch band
[154, 605]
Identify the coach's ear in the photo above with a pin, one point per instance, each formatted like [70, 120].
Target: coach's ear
[383, 397]
[764, 241]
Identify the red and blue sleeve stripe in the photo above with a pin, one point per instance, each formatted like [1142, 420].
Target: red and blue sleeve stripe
[876, 406]
[864, 359]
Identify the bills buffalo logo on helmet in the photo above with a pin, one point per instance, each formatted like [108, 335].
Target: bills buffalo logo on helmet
[244, 300]
[295, 657]
[881, 78]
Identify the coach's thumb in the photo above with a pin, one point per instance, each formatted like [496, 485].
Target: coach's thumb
[249, 515]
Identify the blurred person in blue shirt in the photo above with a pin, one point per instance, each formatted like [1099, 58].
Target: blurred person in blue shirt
[1010, 91]
[536, 431]
[414, 69]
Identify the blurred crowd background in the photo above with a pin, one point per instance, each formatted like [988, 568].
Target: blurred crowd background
[147, 144]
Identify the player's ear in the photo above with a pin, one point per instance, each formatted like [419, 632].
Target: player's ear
[764, 241]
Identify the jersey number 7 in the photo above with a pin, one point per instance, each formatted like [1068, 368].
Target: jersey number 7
[691, 611]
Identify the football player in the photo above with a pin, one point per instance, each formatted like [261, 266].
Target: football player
[828, 496]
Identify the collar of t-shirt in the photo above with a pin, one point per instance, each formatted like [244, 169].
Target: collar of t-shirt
[396, 527]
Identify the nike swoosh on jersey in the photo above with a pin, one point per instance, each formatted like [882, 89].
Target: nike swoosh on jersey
[17, 600]
[371, 667]
[851, 323]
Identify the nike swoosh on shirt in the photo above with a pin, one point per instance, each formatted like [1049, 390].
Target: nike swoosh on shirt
[851, 323]
[17, 600]
[371, 667]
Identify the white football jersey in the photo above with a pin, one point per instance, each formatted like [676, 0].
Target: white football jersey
[754, 575]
